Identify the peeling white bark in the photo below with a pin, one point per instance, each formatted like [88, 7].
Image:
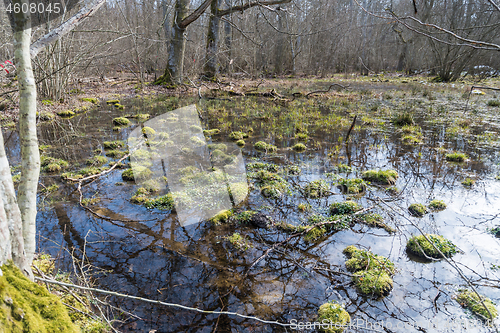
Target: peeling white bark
[30, 156]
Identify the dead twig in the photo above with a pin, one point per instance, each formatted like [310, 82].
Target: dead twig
[328, 90]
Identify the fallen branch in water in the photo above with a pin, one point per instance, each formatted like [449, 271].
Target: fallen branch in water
[112, 293]
[317, 225]
[477, 87]
[328, 90]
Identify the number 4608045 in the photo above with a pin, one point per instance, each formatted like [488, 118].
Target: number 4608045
[34, 8]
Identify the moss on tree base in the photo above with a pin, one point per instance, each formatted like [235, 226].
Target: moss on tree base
[28, 307]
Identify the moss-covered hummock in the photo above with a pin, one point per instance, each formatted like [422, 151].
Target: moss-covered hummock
[335, 316]
[420, 246]
[373, 273]
[437, 205]
[346, 207]
[96, 160]
[112, 101]
[211, 132]
[384, 177]
[456, 157]
[221, 217]
[261, 145]
[92, 100]
[352, 185]
[164, 202]
[66, 114]
[417, 209]
[469, 299]
[239, 242]
[468, 182]
[316, 189]
[148, 131]
[121, 121]
[28, 307]
[240, 143]
[113, 144]
[52, 165]
[299, 147]
[138, 171]
[361, 260]
[238, 135]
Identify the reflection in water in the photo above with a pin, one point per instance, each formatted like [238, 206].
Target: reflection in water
[155, 254]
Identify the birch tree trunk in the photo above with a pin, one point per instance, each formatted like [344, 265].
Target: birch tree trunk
[11, 225]
[30, 156]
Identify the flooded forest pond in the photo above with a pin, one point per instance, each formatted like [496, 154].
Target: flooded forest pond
[300, 171]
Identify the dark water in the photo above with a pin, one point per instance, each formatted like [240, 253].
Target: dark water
[147, 253]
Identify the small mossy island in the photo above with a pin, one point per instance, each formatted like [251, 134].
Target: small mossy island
[421, 247]
[316, 189]
[66, 114]
[470, 300]
[384, 177]
[262, 146]
[372, 273]
[456, 157]
[437, 205]
[299, 147]
[52, 165]
[121, 121]
[221, 217]
[335, 316]
[136, 172]
[238, 135]
[417, 209]
[346, 207]
[28, 307]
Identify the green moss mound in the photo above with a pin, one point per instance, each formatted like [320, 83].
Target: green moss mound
[221, 217]
[468, 182]
[136, 172]
[52, 165]
[384, 177]
[66, 114]
[316, 189]
[417, 209]
[346, 207]
[352, 185]
[121, 121]
[238, 135]
[113, 101]
[28, 307]
[373, 282]
[164, 202]
[456, 157]
[211, 132]
[469, 299]
[262, 146]
[437, 205]
[420, 246]
[373, 273]
[335, 315]
[92, 100]
[96, 161]
[361, 260]
[113, 144]
[299, 147]
[240, 143]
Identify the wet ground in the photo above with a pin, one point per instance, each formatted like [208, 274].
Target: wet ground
[148, 253]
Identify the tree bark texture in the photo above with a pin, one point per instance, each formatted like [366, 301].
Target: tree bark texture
[30, 156]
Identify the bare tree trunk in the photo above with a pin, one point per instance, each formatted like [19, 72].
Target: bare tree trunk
[11, 234]
[211, 67]
[30, 156]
